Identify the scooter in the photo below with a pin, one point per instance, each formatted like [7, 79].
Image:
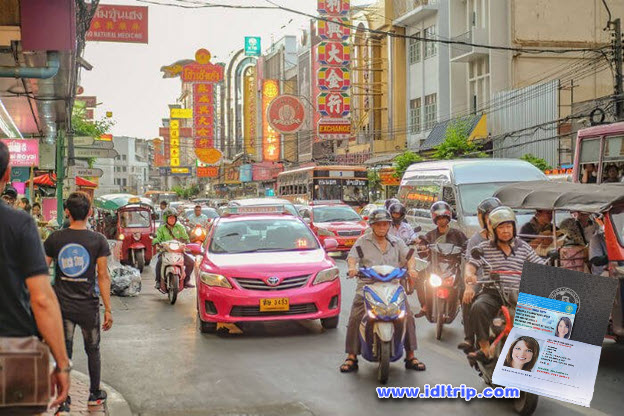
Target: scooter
[197, 234]
[172, 272]
[499, 330]
[442, 287]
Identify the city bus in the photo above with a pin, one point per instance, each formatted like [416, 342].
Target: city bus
[599, 156]
[348, 184]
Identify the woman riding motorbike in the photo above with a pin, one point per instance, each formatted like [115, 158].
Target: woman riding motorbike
[171, 229]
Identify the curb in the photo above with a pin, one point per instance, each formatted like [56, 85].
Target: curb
[116, 404]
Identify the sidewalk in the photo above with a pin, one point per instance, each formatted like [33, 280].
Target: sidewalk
[115, 405]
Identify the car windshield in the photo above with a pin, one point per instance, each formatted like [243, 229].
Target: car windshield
[208, 212]
[135, 219]
[335, 213]
[262, 235]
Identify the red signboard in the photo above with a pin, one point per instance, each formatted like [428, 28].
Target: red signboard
[159, 156]
[196, 72]
[203, 115]
[334, 53]
[334, 28]
[335, 79]
[286, 114]
[113, 23]
[89, 114]
[333, 7]
[90, 101]
[334, 104]
[184, 132]
[208, 172]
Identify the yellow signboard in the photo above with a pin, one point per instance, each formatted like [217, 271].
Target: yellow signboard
[180, 171]
[250, 111]
[174, 143]
[181, 113]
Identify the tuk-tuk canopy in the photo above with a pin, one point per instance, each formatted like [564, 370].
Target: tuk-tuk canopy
[566, 196]
[113, 202]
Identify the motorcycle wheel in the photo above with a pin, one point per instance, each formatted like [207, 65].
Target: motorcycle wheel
[139, 258]
[440, 320]
[526, 404]
[384, 362]
[172, 290]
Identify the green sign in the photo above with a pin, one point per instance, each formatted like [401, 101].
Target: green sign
[20, 174]
[252, 46]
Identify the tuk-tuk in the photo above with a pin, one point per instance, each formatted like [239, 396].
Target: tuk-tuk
[605, 201]
[133, 224]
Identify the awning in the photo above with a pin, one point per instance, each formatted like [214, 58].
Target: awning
[382, 159]
[49, 179]
[83, 182]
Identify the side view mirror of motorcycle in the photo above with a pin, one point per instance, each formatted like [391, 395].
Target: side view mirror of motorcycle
[195, 249]
[417, 229]
[553, 254]
[476, 253]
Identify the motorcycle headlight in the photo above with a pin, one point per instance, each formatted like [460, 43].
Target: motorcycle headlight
[435, 280]
[216, 280]
[136, 236]
[174, 246]
[325, 232]
[121, 237]
[326, 275]
[198, 232]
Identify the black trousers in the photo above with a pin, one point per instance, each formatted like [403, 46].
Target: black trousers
[189, 265]
[89, 324]
[484, 308]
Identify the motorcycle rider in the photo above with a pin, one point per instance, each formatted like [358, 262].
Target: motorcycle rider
[171, 229]
[441, 215]
[483, 212]
[378, 248]
[198, 218]
[504, 251]
[400, 228]
[389, 202]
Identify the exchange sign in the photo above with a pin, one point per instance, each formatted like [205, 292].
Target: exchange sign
[334, 79]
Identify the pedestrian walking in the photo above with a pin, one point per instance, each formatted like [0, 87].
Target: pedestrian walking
[28, 305]
[80, 255]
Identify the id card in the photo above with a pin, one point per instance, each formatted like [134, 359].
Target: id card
[548, 316]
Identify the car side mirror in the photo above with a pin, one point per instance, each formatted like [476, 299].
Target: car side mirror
[195, 249]
[476, 253]
[330, 244]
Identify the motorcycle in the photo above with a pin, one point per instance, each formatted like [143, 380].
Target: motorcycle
[443, 286]
[172, 272]
[500, 328]
[197, 234]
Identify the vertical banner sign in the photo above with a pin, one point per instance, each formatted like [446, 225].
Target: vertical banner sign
[203, 105]
[174, 143]
[334, 74]
[159, 157]
[250, 111]
[270, 138]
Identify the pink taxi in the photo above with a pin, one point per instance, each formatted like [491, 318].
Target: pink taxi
[335, 221]
[262, 263]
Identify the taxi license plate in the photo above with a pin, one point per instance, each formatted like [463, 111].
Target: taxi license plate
[274, 304]
[349, 242]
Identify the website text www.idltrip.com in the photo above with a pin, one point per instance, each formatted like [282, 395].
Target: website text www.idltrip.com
[446, 391]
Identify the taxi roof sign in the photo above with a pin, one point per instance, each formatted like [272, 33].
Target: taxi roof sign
[256, 209]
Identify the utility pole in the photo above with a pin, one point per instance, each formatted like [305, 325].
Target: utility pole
[619, 77]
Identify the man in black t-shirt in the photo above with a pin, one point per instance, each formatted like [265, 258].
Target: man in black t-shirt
[77, 253]
[25, 284]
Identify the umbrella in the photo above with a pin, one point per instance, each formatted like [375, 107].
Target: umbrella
[115, 201]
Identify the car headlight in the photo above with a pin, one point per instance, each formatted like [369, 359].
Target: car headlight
[325, 232]
[326, 275]
[137, 236]
[216, 280]
[435, 280]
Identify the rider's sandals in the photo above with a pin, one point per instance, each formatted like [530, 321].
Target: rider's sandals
[414, 364]
[480, 356]
[349, 365]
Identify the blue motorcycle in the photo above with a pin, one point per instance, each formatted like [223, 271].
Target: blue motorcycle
[382, 330]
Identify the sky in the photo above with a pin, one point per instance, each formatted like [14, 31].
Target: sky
[126, 77]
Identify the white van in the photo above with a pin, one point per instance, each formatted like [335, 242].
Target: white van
[463, 184]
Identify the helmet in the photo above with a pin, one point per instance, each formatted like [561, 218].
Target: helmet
[168, 212]
[398, 208]
[485, 207]
[499, 216]
[379, 215]
[391, 201]
[10, 191]
[440, 209]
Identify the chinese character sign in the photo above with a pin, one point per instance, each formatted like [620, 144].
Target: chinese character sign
[250, 111]
[114, 23]
[203, 117]
[333, 7]
[174, 143]
[270, 138]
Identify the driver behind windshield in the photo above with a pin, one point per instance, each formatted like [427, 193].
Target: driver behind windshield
[171, 229]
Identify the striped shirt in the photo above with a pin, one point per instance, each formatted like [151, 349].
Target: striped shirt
[520, 252]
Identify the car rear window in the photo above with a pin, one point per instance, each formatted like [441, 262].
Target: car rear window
[335, 213]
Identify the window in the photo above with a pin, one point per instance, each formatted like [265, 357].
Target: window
[431, 110]
[123, 157]
[124, 169]
[414, 49]
[415, 115]
[430, 47]
[420, 197]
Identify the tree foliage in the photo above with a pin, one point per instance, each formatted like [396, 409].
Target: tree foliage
[538, 162]
[186, 192]
[374, 181]
[456, 143]
[404, 160]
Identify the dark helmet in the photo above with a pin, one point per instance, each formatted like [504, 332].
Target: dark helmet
[440, 209]
[10, 191]
[399, 208]
[391, 201]
[500, 216]
[379, 215]
[485, 207]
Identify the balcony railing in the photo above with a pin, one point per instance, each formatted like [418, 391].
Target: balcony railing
[402, 7]
[459, 49]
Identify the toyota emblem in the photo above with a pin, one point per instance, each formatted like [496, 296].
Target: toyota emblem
[273, 281]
